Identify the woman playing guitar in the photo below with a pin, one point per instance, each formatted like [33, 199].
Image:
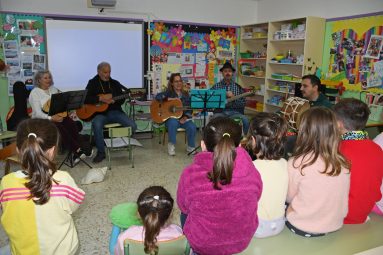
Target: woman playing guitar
[175, 90]
[39, 99]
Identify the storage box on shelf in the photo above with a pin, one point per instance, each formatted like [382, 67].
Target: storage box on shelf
[252, 64]
[293, 48]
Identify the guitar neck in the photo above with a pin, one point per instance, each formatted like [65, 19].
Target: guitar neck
[231, 99]
[116, 98]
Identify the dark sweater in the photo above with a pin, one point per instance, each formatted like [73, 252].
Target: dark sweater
[96, 87]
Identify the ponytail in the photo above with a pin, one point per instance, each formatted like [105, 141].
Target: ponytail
[152, 229]
[224, 156]
[33, 149]
[37, 164]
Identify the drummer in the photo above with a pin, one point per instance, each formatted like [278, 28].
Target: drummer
[310, 91]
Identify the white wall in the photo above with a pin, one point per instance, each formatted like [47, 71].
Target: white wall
[269, 10]
[225, 12]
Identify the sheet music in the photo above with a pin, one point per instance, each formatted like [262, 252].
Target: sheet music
[121, 142]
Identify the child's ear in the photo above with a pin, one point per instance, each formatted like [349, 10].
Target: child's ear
[51, 152]
[203, 146]
[252, 142]
[341, 128]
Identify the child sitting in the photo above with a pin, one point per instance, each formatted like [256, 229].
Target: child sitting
[267, 138]
[38, 201]
[155, 206]
[318, 177]
[218, 193]
[365, 156]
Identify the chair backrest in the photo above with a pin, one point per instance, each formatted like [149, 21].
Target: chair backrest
[120, 132]
[178, 246]
[8, 151]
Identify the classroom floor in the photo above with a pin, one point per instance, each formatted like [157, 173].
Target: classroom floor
[154, 167]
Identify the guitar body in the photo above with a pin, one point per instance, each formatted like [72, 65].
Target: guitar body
[87, 111]
[161, 111]
[46, 107]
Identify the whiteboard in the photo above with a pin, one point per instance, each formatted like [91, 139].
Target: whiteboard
[75, 48]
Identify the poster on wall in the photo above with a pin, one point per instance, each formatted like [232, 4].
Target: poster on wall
[196, 52]
[22, 38]
[353, 52]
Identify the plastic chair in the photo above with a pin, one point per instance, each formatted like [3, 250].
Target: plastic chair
[119, 140]
[179, 246]
[8, 155]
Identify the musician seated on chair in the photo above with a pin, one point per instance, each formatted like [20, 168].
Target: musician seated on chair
[236, 108]
[176, 90]
[311, 91]
[39, 99]
[103, 89]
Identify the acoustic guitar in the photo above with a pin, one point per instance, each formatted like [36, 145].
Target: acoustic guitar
[46, 107]
[87, 111]
[172, 108]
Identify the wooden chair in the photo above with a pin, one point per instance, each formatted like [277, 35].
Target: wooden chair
[178, 130]
[119, 140]
[178, 246]
[8, 154]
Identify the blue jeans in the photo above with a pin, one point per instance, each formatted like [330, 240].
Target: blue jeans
[234, 114]
[113, 116]
[173, 124]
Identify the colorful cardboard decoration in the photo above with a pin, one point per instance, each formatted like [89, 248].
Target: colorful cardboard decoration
[352, 47]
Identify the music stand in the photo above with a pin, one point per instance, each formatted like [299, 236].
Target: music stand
[207, 100]
[65, 102]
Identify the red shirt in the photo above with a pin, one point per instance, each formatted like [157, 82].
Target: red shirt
[366, 160]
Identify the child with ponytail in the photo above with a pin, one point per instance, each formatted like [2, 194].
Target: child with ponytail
[155, 206]
[37, 201]
[218, 193]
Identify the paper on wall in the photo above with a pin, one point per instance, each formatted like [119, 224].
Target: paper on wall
[187, 71]
[174, 58]
[378, 68]
[200, 70]
[188, 58]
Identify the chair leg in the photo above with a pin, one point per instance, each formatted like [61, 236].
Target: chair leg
[163, 138]
[7, 168]
[109, 162]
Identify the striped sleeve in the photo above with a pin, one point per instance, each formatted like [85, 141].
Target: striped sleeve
[67, 189]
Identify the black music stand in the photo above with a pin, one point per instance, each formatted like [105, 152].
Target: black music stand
[65, 102]
[207, 100]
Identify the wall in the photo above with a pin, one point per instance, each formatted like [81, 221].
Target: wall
[267, 11]
[226, 12]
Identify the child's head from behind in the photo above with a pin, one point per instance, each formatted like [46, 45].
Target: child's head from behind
[36, 143]
[221, 136]
[155, 205]
[319, 134]
[267, 135]
[352, 114]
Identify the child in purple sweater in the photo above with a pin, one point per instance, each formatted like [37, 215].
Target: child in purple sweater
[219, 192]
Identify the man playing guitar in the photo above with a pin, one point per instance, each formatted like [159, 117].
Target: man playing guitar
[102, 89]
[237, 107]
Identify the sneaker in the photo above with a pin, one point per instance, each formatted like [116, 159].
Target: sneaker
[99, 157]
[83, 154]
[75, 158]
[171, 149]
[191, 150]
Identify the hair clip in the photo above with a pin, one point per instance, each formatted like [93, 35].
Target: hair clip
[156, 197]
[226, 134]
[213, 128]
[32, 134]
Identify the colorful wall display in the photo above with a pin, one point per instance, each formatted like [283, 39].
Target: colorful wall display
[23, 47]
[353, 53]
[196, 52]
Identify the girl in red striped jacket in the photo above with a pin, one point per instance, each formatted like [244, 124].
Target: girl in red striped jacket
[37, 202]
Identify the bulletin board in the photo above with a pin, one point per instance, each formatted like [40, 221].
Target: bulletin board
[195, 51]
[23, 47]
[353, 52]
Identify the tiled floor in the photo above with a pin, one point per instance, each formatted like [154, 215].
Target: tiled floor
[153, 166]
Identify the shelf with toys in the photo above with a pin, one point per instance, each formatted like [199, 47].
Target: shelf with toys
[252, 63]
[293, 46]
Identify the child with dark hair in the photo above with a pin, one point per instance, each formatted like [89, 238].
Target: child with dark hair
[365, 156]
[267, 136]
[319, 179]
[218, 193]
[38, 201]
[155, 206]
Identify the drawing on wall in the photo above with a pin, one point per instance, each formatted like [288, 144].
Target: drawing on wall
[374, 47]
